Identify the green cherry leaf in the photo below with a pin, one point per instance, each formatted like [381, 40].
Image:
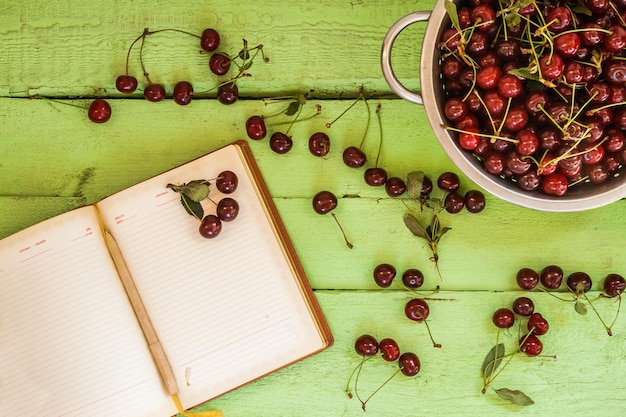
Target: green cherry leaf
[524, 73]
[580, 308]
[581, 9]
[192, 207]
[196, 190]
[293, 108]
[244, 54]
[414, 182]
[515, 396]
[512, 19]
[492, 360]
[450, 7]
[414, 226]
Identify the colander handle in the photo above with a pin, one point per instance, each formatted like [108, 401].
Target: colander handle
[385, 55]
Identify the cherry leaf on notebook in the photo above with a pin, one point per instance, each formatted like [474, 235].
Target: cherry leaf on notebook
[196, 190]
[193, 207]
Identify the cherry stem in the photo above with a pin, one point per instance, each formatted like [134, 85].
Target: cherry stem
[487, 380]
[361, 96]
[143, 67]
[348, 244]
[37, 96]
[435, 344]
[358, 367]
[378, 389]
[619, 305]
[608, 328]
[380, 129]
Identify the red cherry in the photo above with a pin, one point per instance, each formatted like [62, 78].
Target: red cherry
[99, 111]
[503, 318]
[255, 127]
[417, 310]
[219, 63]
[555, 184]
[126, 84]
[210, 227]
[390, 351]
[537, 324]
[227, 93]
[154, 92]
[209, 40]
[409, 364]
[366, 345]
[531, 345]
[183, 92]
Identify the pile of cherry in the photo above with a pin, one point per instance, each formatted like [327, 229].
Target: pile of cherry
[536, 90]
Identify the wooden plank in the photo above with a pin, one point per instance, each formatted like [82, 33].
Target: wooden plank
[587, 375]
[324, 47]
[81, 158]
[85, 162]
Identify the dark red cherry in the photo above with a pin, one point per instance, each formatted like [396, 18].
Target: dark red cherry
[154, 92]
[209, 40]
[210, 227]
[537, 324]
[527, 278]
[530, 345]
[324, 202]
[417, 309]
[559, 18]
[126, 84]
[99, 111]
[183, 92]
[614, 285]
[409, 364]
[454, 202]
[448, 181]
[280, 142]
[551, 277]
[551, 66]
[389, 349]
[375, 176]
[413, 278]
[226, 182]
[474, 201]
[503, 318]
[227, 93]
[384, 275]
[219, 63]
[227, 209]
[255, 127]
[555, 184]
[579, 282]
[366, 345]
[395, 186]
[354, 157]
[523, 306]
[319, 144]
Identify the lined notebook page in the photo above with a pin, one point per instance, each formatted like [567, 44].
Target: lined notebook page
[227, 310]
[69, 342]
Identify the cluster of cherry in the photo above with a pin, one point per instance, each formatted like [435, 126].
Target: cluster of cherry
[220, 64]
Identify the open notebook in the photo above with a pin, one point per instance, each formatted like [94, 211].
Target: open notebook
[226, 310]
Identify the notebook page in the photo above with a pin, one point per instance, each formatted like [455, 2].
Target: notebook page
[69, 342]
[226, 310]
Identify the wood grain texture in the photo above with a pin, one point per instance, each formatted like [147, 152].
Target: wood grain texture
[577, 382]
[52, 159]
[325, 47]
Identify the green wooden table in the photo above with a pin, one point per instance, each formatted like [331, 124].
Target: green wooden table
[53, 159]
